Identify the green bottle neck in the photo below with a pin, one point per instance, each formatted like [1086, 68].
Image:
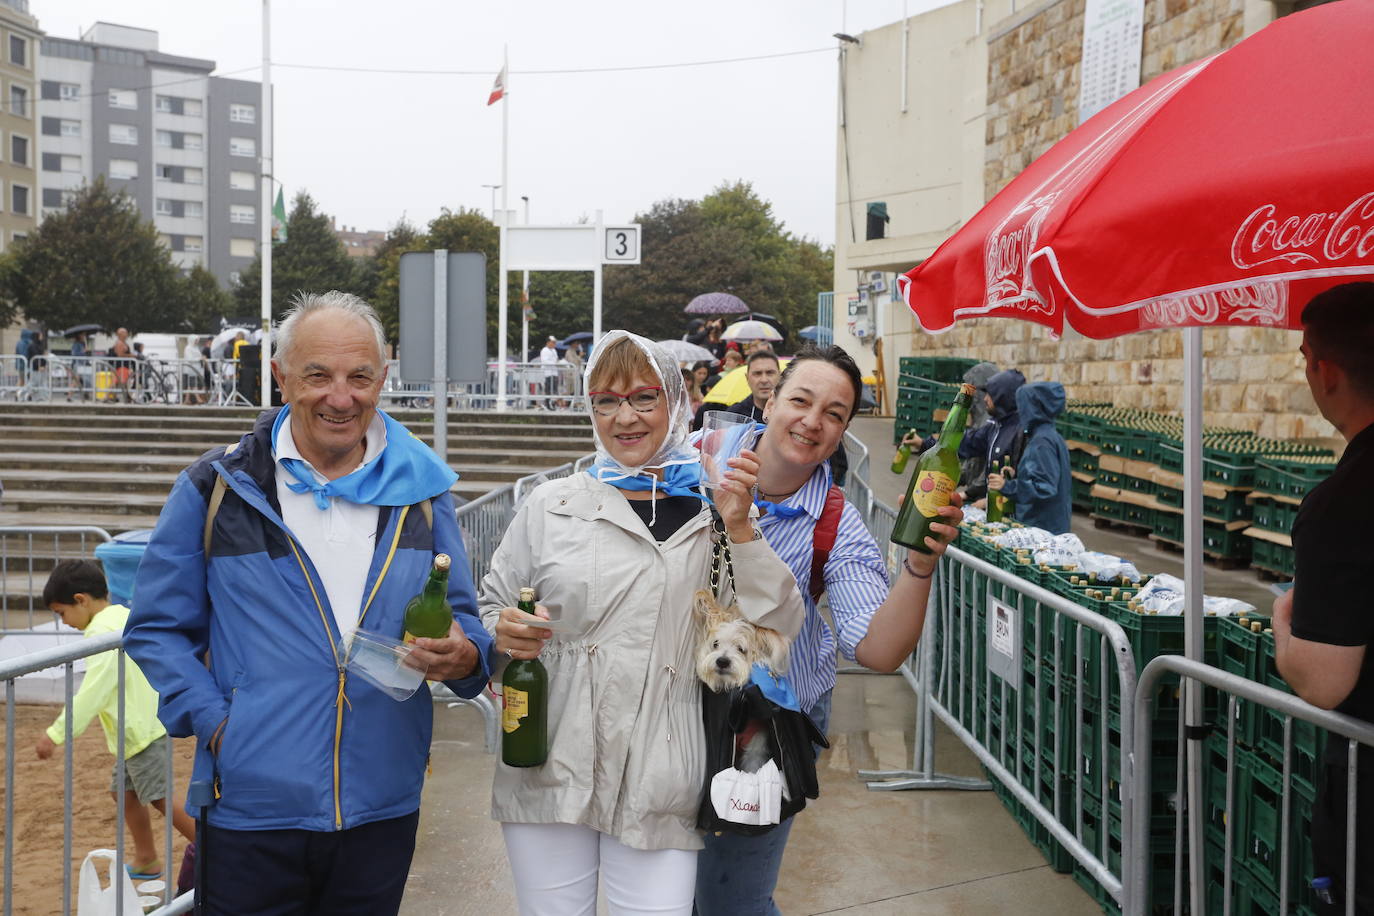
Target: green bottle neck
[953, 431]
[436, 586]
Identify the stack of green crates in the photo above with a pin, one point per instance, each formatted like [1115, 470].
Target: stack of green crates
[1280, 484]
[923, 387]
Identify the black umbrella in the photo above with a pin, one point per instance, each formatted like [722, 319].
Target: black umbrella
[81, 329]
[716, 304]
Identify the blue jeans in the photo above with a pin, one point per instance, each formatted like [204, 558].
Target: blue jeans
[736, 874]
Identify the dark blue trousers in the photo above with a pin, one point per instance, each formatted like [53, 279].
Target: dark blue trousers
[356, 872]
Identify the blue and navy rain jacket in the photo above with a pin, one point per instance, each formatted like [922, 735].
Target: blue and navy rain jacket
[246, 636]
[1043, 487]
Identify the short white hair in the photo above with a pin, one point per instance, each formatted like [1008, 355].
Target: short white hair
[307, 303]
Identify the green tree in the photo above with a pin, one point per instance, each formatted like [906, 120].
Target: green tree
[381, 275]
[312, 259]
[729, 241]
[96, 261]
[204, 302]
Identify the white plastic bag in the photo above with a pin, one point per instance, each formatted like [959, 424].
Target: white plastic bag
[746, 798]
[95, 899]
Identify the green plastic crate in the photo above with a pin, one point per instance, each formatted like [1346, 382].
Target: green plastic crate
[1276, 558]
[1292, 479]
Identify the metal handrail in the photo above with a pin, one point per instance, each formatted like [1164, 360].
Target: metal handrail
[1356, 731]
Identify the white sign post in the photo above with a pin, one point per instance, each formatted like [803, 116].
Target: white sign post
[582, 246]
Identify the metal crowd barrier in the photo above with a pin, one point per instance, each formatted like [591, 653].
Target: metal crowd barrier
[66, 656]
[27, 555]
[529, 386]
[1355, 731]
[119, 379]
[14, 374]
[1004, 664]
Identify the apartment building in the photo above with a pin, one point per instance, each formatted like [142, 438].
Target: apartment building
[181, 143]
[19, 39]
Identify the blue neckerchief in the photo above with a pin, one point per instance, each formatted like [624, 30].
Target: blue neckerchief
[406, 472]
[678, 479]
[774, 686]
[777, 509]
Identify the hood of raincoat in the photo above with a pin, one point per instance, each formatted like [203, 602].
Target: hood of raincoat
[1002, 388]
[1039, 402]
[978, 376]
[674, 449]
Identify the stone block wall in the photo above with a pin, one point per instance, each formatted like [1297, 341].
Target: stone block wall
[1253, 376]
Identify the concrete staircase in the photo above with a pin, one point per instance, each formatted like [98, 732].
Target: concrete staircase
[111, 466]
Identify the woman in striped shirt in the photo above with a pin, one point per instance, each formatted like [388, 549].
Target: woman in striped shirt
[875, 625]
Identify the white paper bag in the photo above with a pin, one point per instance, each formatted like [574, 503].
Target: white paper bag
[746, 798]
[96, 899]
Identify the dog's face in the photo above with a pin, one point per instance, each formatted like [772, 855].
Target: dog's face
[731, 645]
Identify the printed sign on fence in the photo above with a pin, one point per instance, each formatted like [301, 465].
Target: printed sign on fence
[1004, 642]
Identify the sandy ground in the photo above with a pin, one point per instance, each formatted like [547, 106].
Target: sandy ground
[38, 790]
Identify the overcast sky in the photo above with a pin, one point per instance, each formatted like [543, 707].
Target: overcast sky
[373, 146]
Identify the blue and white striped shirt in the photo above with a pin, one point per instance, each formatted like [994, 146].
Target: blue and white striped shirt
[855, 581]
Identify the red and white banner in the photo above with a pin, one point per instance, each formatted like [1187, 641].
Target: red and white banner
[498, 88]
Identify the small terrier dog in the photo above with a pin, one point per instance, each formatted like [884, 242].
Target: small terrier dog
[730, 646]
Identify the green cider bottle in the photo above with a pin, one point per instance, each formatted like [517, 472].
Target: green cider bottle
[999, 507]
[525, 705]
[428, 614]
[900, 459]
[937, 474]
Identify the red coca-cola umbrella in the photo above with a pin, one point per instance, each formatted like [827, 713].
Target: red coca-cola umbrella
[1228, 191]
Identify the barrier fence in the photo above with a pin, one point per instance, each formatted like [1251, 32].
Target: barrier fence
[27, 555]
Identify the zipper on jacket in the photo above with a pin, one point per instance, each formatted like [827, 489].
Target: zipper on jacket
[340, 700]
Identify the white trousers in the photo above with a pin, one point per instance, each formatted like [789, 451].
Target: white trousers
[556, 868]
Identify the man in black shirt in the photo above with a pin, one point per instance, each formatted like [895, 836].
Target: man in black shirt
[1324, 624]
[761, 373]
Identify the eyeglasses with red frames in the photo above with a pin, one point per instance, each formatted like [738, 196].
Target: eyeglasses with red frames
[642, 400]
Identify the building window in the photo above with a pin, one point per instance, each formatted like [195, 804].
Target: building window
[19, 101]
[19, 198]
[164, 172]
[68, 92]
[163, 104]
[162, 137]
[194, 176]
[234, 278]
[52, 198]
[71, 163]
[19, 51]
[194, 210]
[69, 128]
[243, 181]
[192, 141]
[243, 213]
[191, 108]
[123, 169]
[164, 207]
[19, 149]
[126, 99]
[242, 248]
[242, 146]
[125, 134]
[192, 243]
[243, 114]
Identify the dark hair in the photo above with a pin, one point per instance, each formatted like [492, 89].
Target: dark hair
[1340, 328]
[72, 577]
[763, 353]
[835, 356]
[702, 364]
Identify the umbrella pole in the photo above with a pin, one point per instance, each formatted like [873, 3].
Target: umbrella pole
[1195, 730]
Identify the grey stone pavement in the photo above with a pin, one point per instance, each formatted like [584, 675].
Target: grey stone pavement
[854, 851]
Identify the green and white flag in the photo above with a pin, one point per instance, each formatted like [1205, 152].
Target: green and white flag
[279, 218]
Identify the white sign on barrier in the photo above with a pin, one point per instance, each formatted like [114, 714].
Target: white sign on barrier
[1004, 642]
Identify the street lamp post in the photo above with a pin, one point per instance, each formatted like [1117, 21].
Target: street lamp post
[493, 199]
[525, 300]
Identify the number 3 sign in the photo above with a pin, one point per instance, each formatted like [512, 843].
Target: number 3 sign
[620, 245]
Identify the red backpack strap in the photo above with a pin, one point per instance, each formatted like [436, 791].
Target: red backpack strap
[823, 539]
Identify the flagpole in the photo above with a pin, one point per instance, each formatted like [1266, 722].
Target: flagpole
[265, 217]
[502, 300]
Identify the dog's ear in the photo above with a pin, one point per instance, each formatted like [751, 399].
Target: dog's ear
[707, 610]
[771, 648]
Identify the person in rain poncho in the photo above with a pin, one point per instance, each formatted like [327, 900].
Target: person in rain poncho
[621, 549]
[1042, 488]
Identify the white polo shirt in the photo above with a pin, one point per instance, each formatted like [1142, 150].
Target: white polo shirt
[339, 540]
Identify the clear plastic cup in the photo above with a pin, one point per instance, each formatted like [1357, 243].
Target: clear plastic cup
[384, 663]
[724, 435]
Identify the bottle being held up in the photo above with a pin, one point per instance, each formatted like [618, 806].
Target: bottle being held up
[525, 706]
[999, 506]
[936, 476]
[428, 614]
[900, 459]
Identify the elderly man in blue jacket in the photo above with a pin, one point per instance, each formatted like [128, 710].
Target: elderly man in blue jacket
[1042, 488]
[268, 555]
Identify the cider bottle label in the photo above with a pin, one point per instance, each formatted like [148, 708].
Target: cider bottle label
[516, 705]
[932, 492]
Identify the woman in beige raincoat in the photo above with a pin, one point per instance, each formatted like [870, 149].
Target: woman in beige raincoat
[621, 550]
